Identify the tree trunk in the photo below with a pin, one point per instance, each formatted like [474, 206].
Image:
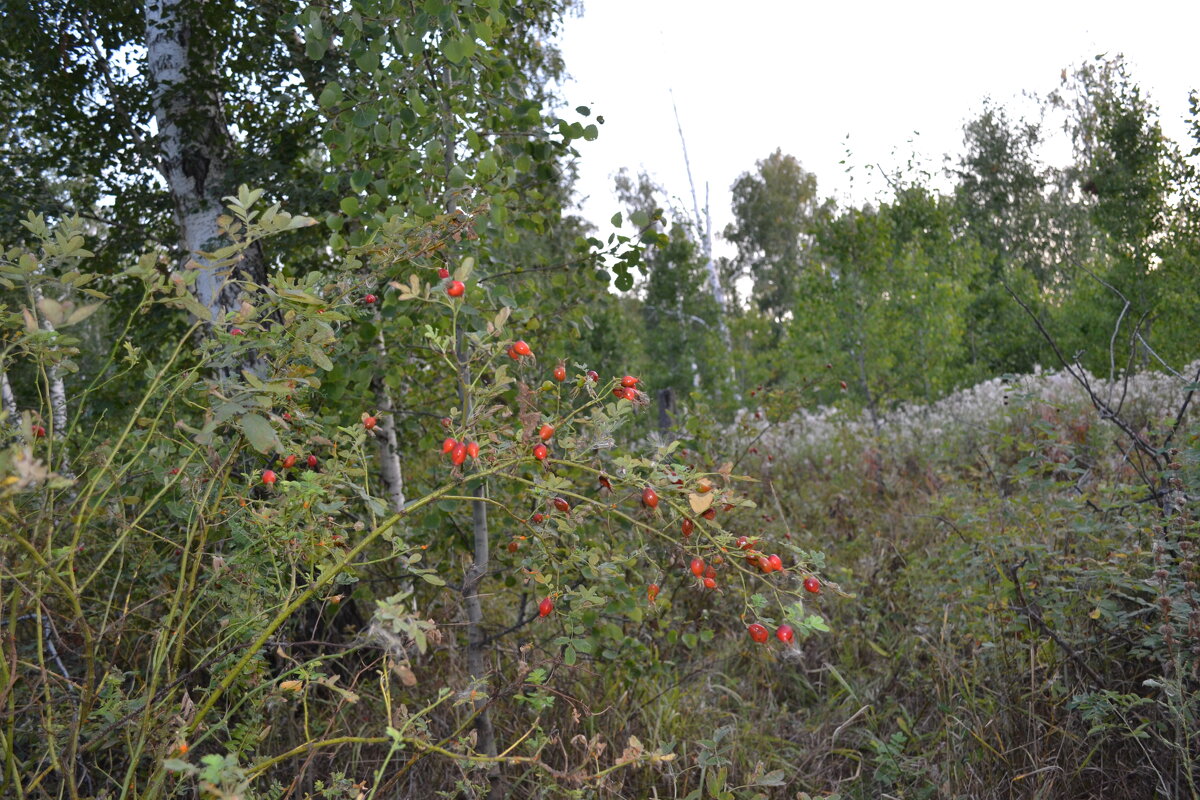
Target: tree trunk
[58, 390]
[193, 142]
[8, 399]
[389, 446]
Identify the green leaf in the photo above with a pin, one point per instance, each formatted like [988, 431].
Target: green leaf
[773, 778]
[331, 94]
[616, 220]
[319, 358]
[259, 433]
[193, 305]
[640, 218]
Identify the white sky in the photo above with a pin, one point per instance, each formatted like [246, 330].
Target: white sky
[753, 75]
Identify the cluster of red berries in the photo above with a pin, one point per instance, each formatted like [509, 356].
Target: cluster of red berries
[453, 288]
[759, 633]
[519, 349]
[458, 451]
[289, 461]
[707, 574]
[627, 389]
[560, 504]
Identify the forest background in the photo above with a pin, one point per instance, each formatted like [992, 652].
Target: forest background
[342, 458]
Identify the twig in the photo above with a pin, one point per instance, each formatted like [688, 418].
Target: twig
[1034, 614]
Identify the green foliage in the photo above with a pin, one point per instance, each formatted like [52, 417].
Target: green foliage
[261, 603]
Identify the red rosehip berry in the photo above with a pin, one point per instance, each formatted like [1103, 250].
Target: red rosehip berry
[540, 452]
[537, 518]
[546, 607]
[776, 563]
[812, 585]
[236, 331]
[560, 373]
[652, 592]
[312, 462]
[629, 381]
[521, 348]
[758, 633]
[448, 444]
[473, 449]
[785, 634]
[289, 462]
[686, 527]
[710, 514]
[546, 432]
[710, 583]
[370, 422]
[459, 454]
[268, 476]
[649, 498]
[443, 273]
[39, 432]
[697, 567]
[370, 299]
[456, 288]
[593, 376]
[562, 505]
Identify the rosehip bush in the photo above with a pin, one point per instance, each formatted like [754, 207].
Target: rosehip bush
[343, 511]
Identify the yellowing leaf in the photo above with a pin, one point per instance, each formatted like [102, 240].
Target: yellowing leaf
[291, 686]
[81, 313]
[700, 502]
[52, 310]
[464, 270]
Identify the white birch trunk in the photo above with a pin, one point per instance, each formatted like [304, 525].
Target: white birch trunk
[192, 142]
[389, 446]
[8, 399]
[58, 390]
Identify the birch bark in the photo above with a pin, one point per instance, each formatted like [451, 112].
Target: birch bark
[193, 144]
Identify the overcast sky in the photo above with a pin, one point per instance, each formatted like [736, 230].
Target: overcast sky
[899, 78]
